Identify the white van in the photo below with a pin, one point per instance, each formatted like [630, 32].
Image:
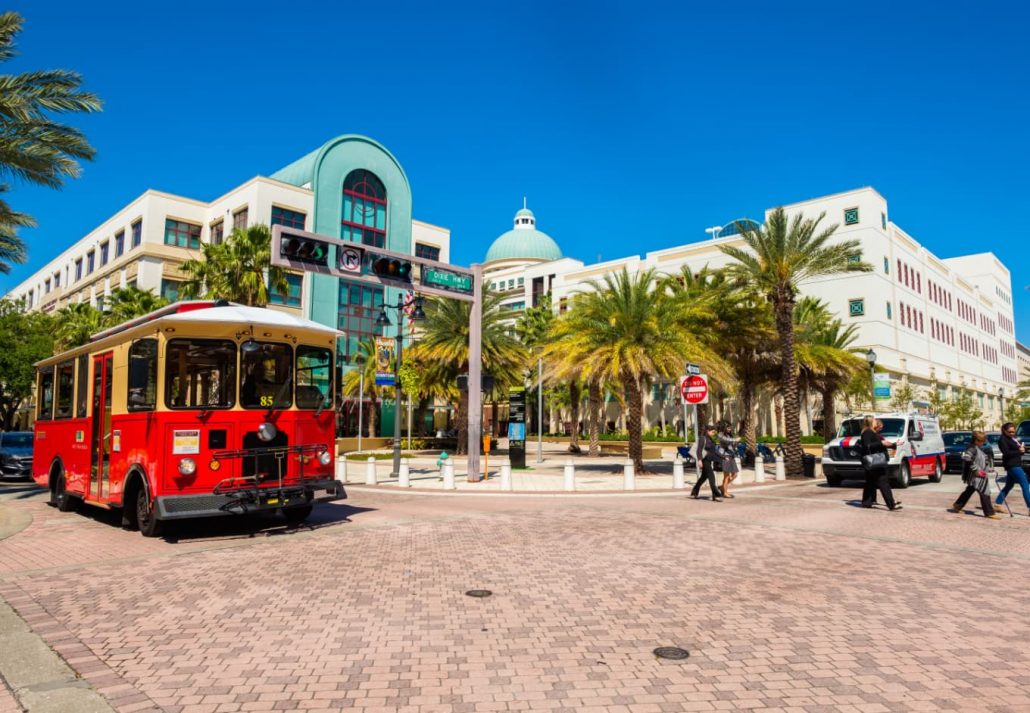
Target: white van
[913, 442]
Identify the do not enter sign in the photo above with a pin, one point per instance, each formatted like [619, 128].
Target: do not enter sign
[695, 389]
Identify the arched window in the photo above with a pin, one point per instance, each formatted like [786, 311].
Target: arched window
[364, 209]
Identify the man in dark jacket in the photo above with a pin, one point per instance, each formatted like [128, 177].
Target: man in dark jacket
[707, 454]
[1011, 459]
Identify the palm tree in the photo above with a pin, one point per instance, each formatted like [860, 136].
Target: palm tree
[443, 350]
[130, 302]
[34, 147]
[628, 330]
[76, 323]
[235, 269]
[351, 384]
[775, 259]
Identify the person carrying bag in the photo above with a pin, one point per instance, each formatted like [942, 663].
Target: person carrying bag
[974, 475]
[874, 461]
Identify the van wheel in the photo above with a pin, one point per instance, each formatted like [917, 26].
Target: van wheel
[937, 472]
[149, 526]
[297, 515]
[904, 475]
[59, 496]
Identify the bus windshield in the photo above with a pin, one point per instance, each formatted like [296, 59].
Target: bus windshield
[200, 373]
[265, 370]
[892, 428]
[314, 377]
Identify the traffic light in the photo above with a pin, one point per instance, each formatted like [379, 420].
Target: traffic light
[392, 269]
[306, 250]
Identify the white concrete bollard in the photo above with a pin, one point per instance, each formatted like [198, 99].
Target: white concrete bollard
[678, 483]
[404, 475]
[448, 476]
[740, 470]
[341, 469]
[370, 472]
[628, 476]
[781, 471]
[759, 469]
[506, 476]
[570, 475]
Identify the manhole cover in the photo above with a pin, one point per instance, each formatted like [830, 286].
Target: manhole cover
[671, 652]
[478, 593]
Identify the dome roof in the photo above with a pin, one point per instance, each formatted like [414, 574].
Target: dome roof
[524, 242]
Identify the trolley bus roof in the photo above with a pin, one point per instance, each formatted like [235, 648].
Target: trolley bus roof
[241, 314]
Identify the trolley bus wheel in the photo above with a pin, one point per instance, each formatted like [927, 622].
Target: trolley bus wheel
[149, 526]
[59, 496]
[295, 516]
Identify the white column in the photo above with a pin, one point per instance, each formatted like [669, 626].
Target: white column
[370, 472]
[759, 469]
[506, 475]
[341, 469]
[781, 473]
[677, 474]
[448, 476]
[628, 476]
[570, 475]
[404, 474]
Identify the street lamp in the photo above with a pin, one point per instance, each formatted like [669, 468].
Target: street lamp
[417, 315]
[540, 408]
[359, 359]
[714, 231]
[1001, 401]
[870, 356]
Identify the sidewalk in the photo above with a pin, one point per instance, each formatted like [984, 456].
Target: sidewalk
[601, 474]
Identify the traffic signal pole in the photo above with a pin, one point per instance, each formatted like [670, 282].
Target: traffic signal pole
[475, 385]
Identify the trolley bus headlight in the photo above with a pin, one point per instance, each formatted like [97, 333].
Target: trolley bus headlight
[187, 466]
[324, 458]
[267, 431]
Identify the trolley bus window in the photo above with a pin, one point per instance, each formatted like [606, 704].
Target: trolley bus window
[45, 394]
[65, 389]
[142, 393]
[82, 387]
[264, 373]
[314, 377]
[200, 373]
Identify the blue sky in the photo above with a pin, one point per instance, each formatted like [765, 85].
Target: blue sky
[629, 126]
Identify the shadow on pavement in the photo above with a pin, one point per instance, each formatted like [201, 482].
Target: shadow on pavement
[267, 524]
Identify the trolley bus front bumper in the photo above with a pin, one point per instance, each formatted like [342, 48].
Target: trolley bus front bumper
[244, 500]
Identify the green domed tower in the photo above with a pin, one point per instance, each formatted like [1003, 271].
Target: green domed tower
[523, 243]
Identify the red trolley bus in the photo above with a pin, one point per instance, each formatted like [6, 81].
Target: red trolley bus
[196, 410]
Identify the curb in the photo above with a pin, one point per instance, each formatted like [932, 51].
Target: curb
[656, 493]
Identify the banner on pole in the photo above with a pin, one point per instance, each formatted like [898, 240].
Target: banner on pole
[384, 361]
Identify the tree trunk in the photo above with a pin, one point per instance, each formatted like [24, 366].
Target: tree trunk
[494, 419]
[784, 308]
[463, 423]
[778, 415]
[747, 421]
[594, 417]
[829, 414]
[634, 412]
[574, 397]
[373, 418]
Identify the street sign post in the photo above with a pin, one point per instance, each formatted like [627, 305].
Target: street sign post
[311, 252]
[694, 389]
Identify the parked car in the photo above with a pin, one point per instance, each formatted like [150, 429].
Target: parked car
[1023, 434]
[992, 440]
[16, 455]
[913, 442]
[956, 443]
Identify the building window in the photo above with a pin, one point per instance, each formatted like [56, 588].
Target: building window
[356, 316]
[883, 220]
[364, 209]
[119, 244]
[170, 290]
[239, 219]
[78, 269]
[886, 266]
[850, 216]
[182, 234]
[429, 252]
[856, 308]
[217, 232]
[104, 253]
[57, 279]
[137, 233]
[91, 259]
[46, 286]
[288, 218]
[292, 296]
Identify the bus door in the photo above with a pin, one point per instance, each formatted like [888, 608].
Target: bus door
[100, 446]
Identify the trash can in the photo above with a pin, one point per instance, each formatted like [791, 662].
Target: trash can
[808, 464]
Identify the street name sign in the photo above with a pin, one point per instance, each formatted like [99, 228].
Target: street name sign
[693, 369]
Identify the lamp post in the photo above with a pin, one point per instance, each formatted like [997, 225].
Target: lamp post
[384, 321]
[540, 409]
[714, 231]
[1001, 402]
[360, 361]
[870, 356]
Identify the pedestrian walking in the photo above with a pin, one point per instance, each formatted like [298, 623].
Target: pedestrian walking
[974, 475]
[874, 461]
[1011, 459]
[707, 454]
[728, 444]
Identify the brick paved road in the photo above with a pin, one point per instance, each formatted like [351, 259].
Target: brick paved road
[789, 599]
